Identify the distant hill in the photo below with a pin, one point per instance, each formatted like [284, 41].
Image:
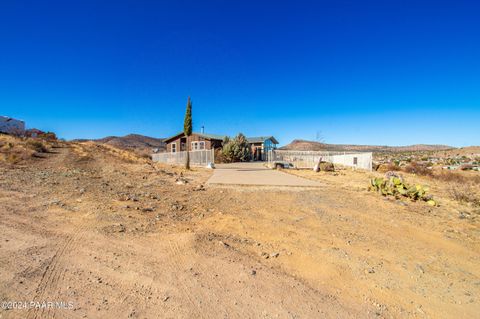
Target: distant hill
[131, 141]
[468, 150]
[302, 145]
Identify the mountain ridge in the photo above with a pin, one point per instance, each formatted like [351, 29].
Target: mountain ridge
[130, 141]
[305, 145]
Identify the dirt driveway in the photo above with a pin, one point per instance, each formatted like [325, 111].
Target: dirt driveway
[256, 174]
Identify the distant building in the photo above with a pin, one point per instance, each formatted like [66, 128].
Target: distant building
[11, 126]
[201, 141]
[33, 132]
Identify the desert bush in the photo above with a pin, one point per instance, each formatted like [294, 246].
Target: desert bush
[448, 176]
[393, 167]
[391, 174]
[466, 167]
[12, 158]
[326, 167]
[395, 186]
[145, 156]
[220, 157]
[6, 145]
[37, 146]
[465, 193]
[49, 136]
[237, 149]
[418, 169]
[457, 177]
[388, 167]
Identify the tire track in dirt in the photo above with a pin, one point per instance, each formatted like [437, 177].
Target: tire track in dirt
[46, 278]
[174, 267]
[212, 295]
[60, 276]
[54, 271]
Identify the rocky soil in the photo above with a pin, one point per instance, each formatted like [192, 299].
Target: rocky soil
[114, 236]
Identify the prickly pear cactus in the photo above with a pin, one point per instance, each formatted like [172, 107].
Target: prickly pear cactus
[395, 186]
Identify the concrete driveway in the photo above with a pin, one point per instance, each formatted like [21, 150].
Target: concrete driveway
[256, 174]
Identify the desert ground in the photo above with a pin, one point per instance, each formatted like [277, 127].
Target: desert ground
[115, 236]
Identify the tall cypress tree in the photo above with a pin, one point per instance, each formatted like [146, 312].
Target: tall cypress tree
[187, 129]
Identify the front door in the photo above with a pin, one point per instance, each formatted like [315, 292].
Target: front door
[258, 153]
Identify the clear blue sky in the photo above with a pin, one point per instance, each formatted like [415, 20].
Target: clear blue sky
[365, 72]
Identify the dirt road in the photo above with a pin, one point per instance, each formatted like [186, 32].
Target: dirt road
[113, 236]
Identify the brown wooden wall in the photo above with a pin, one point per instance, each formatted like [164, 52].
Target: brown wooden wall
[209, 144]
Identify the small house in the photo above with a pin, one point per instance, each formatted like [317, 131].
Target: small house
[33, 132]
[261, 145]
[196, 142]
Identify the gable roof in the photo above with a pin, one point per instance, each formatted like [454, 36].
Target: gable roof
[256, 139]
[261, 139]
[211, 136]
[205, 136]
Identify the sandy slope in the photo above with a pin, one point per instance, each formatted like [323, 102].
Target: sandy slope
[120, 238]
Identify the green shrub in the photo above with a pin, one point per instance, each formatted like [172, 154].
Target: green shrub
[237, 149]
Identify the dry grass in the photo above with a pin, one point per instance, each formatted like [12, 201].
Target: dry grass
[14, 150]
[458, 177]
[86, 152]
[127, 156]
[388, 167]
[418, 169]
[37, 146]
[465, 193]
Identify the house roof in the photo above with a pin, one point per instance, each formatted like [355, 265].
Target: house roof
[206, 136]
[261, 139]
[257, 139]
[34, 130]
[211, 136]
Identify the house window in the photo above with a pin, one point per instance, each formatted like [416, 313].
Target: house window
[355, 160]
[198, 145]
[174, 147]
[267, 145]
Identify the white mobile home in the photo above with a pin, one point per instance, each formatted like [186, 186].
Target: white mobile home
[11, 126]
